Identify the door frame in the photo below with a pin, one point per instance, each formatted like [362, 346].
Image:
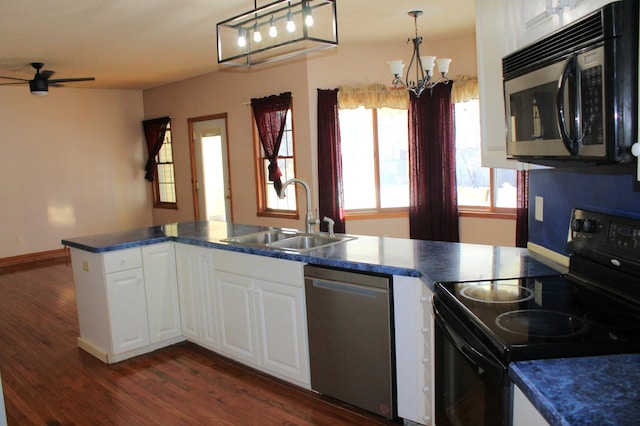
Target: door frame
[194, 171]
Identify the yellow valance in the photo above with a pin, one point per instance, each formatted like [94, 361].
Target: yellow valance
[464, 89]
[372, 96]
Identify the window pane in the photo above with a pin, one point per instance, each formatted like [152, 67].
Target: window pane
[273, 202]
[393, 145]
[356, 132]
[505, 188]
[472, 178]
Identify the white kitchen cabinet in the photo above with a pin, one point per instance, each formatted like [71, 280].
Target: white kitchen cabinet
[524, 413]
[194, 266]
[492, 43]
[127, 310]
[161, 289]
[113, 308]
[414, 336]
[530, 20]
[262, 313]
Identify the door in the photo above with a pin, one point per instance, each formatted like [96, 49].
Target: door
[236, 316]
[159, 267]
[210, 168]
[281, 329]
[127, 310]
[195, 284]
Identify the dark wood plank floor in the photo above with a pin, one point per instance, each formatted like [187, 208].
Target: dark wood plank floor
[47, 380]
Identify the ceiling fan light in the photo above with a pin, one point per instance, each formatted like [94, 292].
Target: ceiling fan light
[39, 87]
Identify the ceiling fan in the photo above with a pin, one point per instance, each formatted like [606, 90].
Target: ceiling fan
[39, 86]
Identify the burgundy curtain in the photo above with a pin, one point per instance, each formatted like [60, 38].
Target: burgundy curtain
[330, 189]
[154, 131]
[433, 203]
[522, 208]
[270, 114]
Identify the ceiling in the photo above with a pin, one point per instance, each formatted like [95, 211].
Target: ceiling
[139, 44]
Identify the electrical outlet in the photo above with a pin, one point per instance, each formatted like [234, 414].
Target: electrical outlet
[85, 265]
[539, 209]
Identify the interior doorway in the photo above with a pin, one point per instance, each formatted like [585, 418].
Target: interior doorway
[210, 168]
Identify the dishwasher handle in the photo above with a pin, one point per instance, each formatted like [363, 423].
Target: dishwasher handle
[353, 289]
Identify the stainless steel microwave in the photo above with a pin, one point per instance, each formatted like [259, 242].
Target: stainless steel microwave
[573, 95]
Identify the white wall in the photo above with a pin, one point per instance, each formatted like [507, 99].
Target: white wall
[71, 165]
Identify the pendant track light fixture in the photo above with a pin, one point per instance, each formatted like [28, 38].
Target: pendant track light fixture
[423, 66]
[294, 28]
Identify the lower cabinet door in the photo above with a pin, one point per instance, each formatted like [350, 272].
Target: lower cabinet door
[280, 319]
[161, 291]
[236, 316]
[127, 310]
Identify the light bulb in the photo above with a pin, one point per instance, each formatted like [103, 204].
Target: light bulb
[308, 17]
[242, 39]
[273, 31]
[257, 37]
[291, 26]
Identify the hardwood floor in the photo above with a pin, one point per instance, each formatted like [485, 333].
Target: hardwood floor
[48, 380]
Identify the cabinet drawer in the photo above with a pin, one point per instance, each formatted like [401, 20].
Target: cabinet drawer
[122, 260]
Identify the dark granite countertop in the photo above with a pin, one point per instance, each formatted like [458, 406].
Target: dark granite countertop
[598, 391]
[432, 261]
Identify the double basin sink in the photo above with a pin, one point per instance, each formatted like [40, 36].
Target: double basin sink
[288, 240]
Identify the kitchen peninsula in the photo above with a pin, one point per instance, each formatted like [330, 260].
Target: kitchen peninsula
[143, 289]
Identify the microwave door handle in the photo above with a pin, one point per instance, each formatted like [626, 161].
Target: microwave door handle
[570, 144]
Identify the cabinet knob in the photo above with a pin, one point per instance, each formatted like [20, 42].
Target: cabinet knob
[424, 299]
[424, 330]
[425, 389]
[426, 419]
[425, 360]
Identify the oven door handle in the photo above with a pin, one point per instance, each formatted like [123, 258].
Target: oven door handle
[475, 357]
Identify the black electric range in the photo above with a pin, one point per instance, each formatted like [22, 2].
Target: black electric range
[482, 326]
[593, 309]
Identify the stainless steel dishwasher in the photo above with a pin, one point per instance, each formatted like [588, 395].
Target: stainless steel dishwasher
[350, 337]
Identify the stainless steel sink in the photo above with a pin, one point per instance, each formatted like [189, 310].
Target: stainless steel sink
[262, 238]
[288, 240]
[304, 242]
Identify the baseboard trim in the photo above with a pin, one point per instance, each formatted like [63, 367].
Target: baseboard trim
[35, 257]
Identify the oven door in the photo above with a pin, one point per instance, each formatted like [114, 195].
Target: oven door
[472, 386]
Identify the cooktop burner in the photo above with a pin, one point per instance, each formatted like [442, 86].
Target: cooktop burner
[540, 323]
[497, 293]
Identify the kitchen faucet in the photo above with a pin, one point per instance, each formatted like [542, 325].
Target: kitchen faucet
[310, 221]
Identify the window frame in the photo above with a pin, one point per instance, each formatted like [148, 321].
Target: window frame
[157, 203]
[377, 212]
[262, 184]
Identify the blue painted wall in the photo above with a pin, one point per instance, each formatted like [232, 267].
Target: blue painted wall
[610, 189]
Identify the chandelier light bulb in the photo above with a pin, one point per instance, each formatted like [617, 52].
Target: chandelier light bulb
[306, 12]
[273, 31]
[242, 39]
[291, 26]
[257, 37]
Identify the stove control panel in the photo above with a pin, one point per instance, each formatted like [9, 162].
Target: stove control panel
[609, 239]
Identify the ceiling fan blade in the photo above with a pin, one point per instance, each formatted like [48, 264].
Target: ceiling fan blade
[13, 78]
[45, 75]
[19, 82]
[68, 80]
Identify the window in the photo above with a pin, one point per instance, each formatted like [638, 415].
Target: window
[164, 194]
[268, 202]
[479, 188]
[375, 159]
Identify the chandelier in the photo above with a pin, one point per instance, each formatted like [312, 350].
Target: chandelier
[279, 30]
[423, 66]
